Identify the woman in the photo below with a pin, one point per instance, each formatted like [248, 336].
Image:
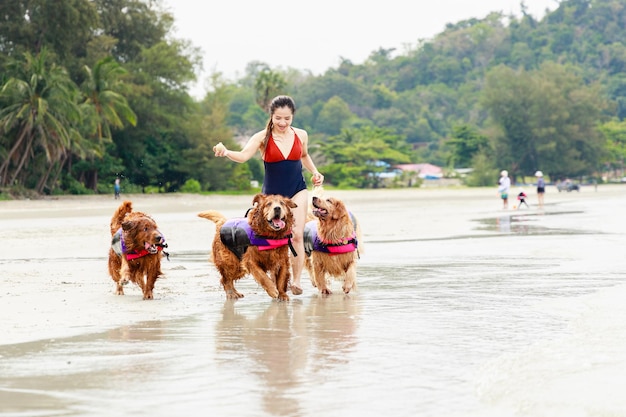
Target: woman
[284, 152]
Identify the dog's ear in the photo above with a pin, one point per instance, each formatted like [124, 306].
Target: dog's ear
[290, 203]
[339, 209]
[257, 198]
[127, 225]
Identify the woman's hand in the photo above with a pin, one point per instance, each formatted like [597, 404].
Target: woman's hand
[317, 179]
[220, 149]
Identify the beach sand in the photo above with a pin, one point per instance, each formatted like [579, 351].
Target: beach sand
[54, 285]
[54, 280]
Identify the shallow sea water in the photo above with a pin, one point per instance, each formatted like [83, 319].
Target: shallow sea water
[512, 317]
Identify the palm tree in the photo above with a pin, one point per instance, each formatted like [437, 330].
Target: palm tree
[104, 106]
[100, 90]
[40, 109]
[268, 85]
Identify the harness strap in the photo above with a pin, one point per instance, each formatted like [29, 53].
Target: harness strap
[119, 247]
[293, 250]
[312, 242]
[237, 235]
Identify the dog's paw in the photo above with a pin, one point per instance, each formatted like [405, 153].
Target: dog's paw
[119, 290]
[273, 292]
[348, 284]
[233, 295]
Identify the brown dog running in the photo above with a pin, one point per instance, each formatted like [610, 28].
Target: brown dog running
[136, 250]
[331, 242]
[257, 244]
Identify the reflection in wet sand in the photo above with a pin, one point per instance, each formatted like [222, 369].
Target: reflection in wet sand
[50, 376]
[285, 342]
[411, 341]
[271, 350]
[525, 224]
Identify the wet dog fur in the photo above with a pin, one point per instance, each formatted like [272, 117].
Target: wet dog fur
[140, 233]
[271, 217]
[334, 225]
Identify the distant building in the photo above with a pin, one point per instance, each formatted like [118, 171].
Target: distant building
[425, 171]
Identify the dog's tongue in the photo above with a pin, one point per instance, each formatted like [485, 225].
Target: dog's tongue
[146, 245]
[278, 223]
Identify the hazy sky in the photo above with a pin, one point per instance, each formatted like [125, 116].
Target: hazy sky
[316, 35]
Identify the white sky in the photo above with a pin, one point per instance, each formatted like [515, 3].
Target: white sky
[316, 35]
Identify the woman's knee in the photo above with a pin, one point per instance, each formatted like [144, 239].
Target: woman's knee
[297, 237]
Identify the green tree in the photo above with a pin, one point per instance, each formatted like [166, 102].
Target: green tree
[334, 115]
[63, 28]
[615, 135]
[157, 93]
[464, 144]
[102, 92]
[483, 174]
[207, 128]
[356, 156]
[548, 118]
[134, 24]
[40, 114]
[268, 85]
[105, 108]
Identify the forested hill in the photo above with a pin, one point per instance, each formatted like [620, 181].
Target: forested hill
[94, 89]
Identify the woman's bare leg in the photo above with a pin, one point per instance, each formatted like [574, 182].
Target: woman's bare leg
[297, 262]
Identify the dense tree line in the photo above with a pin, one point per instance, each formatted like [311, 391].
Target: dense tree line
[91, 90]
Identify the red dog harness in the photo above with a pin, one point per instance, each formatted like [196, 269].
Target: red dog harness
[312, 242]
[119, 246]
[236, 234]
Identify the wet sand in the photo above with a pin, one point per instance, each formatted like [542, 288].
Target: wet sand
[462, 309]
[54, 270]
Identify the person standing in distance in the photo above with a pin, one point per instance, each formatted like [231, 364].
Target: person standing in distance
[541, 188]
[116, 188]
[284, 152]
[504, 188]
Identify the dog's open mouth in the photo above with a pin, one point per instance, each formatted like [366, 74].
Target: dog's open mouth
[277, 223]
[151, 247]
[319, 211]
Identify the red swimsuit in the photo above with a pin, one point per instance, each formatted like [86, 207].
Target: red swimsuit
[273, 153]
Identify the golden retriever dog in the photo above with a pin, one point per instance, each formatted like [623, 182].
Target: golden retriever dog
[331, 242]
[136, 250]
[257, 244]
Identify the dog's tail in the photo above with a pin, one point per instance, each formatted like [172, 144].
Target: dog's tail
[118, 217]
[214, 216]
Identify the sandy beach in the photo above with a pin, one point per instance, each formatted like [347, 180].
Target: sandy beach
[566, 258]
[54, 295]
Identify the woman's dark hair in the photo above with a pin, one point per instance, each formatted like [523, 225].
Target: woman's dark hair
[276, 103]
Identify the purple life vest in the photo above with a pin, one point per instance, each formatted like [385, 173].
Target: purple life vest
[312, 242]
[236, 234]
